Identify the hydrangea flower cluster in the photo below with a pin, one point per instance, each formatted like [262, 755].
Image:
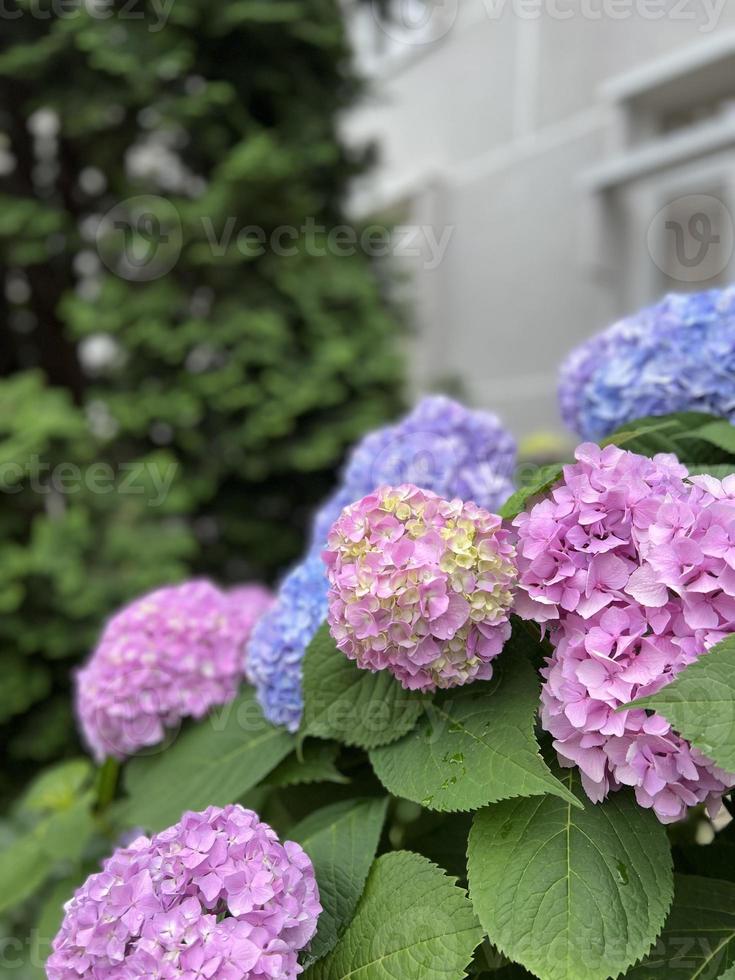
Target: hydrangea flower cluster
[420, 586]
[691, 552]
[216, 895]
[597, 564]
[440, 446]
[172, 654]
[280, 638]
[673, 357]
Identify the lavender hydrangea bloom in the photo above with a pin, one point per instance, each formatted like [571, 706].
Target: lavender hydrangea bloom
[673, 357]
[216, 895]
[172, 654]
[440, 446]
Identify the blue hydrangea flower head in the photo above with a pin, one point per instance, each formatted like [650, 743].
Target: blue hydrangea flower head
[280, 638]
[440, 446]
[676, 356]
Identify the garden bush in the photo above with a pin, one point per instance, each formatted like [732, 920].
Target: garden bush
[142, 331]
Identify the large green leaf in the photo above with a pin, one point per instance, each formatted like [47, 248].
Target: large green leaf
[213, 763]
[678, 433]
[23, 868]
[341, 841]
[412, 923]
[474, 745]
[57, 788]
[571, 894]
[30, 859]
[351, 705]
[543, 481]
[698, 941]
[720, 433]
[700, 703]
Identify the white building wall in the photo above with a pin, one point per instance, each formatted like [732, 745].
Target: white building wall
[495, 135]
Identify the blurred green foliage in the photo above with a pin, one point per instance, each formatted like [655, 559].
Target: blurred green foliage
[220, 383]
[72, 548]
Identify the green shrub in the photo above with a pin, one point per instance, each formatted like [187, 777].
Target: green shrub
[131, 145]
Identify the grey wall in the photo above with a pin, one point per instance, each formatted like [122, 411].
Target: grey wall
[487, 132]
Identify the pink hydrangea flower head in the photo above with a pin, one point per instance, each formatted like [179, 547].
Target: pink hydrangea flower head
[216, 895]
[420, 586]
[601, 562]
[172, 654]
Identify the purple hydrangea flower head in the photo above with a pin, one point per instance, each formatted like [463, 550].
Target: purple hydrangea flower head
[420, 586]
[673, 357]
[216, 895]
[590, 560]
[440, 446]
[172, 654]
[280, 638]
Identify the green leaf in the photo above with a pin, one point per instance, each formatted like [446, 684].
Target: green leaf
[571, 894]
[213, 763]
[315, 765]
[474, 745]
[543, 481]
[64, 835]
[57, 788]
[351, 705]
[412, 923]
[720, 434]
[678, 433]
[698, 941]
[30, 859]
[23, 868]
[341, 840]
[700, 704]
